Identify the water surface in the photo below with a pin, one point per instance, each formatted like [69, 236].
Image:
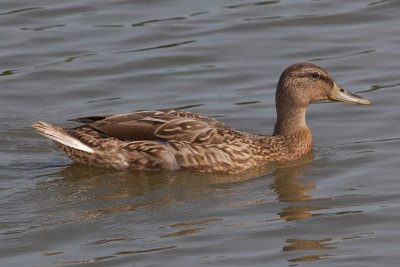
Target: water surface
[338, 206]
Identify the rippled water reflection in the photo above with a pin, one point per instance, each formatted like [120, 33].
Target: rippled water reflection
[337, 206]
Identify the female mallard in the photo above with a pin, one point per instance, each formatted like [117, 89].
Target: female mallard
[172, 140]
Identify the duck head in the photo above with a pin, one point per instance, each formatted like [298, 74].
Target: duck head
[301, 84]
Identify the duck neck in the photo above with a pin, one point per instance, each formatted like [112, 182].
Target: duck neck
[290, 121]
[292, 129]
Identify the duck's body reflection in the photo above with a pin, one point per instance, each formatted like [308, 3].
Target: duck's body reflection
[290, 187]
[107, 192]
[170, 187]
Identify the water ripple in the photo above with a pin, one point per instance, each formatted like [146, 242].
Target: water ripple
[21, 10]
[43, 27]
[146, 22]
[176, 44]
[252, 4]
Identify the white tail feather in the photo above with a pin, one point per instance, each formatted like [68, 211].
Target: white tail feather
[60, 135]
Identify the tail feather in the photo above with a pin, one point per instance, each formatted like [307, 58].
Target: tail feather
[58, 134]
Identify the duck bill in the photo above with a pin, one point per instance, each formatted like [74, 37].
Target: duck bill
[342, 95]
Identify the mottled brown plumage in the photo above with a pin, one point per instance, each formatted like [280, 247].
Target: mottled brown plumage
[172, 140]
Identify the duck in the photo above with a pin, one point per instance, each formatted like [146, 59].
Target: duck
[170, 140]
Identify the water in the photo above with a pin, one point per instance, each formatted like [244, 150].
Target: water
[63, 59]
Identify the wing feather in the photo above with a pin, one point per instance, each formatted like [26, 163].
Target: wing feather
[168, 125]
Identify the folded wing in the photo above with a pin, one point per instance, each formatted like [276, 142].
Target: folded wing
[165, 125]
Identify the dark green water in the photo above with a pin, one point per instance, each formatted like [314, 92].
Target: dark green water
[64, 59]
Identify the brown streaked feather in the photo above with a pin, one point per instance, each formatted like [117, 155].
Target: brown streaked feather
[166, 125]
[190, 130]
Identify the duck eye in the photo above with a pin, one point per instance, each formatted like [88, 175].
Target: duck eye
[316, 75]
